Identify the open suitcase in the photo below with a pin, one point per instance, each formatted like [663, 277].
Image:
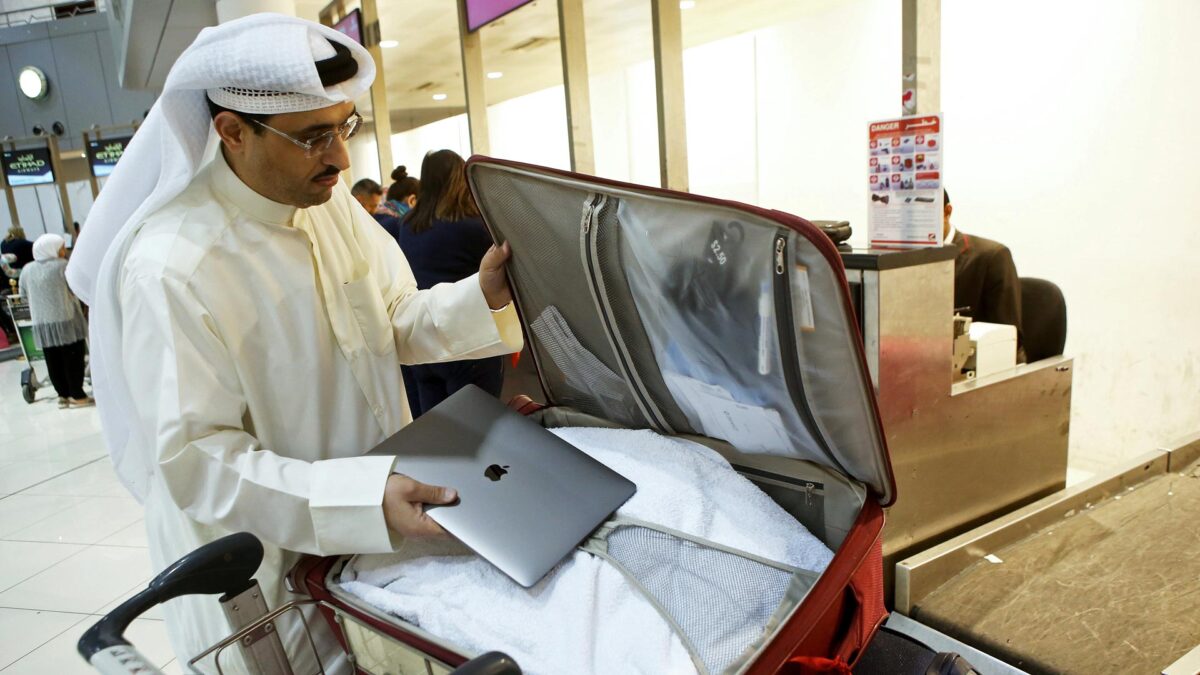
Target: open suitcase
[725, 324]
[651, 309]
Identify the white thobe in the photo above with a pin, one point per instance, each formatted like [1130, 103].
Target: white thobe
[263, 345]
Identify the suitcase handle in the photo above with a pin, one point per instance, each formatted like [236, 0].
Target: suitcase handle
[225, 566]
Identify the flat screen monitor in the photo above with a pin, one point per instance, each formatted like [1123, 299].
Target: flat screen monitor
[351, 26]
[103, 154]
[482, 12]
[28, 167]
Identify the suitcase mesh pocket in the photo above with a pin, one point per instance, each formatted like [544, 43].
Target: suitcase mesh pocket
[720, 602]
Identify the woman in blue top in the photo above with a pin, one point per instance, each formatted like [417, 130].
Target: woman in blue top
[400, 199]
[444, 240]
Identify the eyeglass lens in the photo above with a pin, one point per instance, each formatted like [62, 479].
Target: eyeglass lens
[321, 143]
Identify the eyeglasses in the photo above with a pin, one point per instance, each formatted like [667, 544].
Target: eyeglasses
[317, 145]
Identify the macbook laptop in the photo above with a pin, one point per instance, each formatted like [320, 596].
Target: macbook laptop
[526, 498]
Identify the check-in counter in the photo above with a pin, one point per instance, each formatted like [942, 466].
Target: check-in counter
[963, 452]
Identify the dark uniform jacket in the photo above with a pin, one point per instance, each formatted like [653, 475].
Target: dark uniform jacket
[986, 287]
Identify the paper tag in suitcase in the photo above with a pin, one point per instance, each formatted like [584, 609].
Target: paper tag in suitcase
[686, 315]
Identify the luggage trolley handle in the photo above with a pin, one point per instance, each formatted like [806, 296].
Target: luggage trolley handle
[225, 566]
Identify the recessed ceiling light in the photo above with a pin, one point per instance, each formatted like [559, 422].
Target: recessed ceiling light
[687, 4]
[439, 97]
[388, 44]
[495, 75]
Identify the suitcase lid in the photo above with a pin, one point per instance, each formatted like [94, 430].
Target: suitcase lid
[687, 315]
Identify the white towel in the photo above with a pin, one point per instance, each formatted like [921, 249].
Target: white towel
[585, 616]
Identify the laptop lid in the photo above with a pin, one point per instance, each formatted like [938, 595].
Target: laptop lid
[526, 497]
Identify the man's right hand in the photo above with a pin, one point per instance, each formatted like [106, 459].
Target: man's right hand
[404, 501]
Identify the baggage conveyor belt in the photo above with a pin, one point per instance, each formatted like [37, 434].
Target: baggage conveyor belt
[1112, 587]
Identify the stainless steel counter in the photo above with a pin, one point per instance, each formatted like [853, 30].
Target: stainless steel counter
[963, 453]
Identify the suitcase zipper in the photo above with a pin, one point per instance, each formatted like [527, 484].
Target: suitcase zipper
[787, 348]
[589, 224]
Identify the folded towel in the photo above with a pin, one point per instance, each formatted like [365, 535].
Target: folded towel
[585, 616]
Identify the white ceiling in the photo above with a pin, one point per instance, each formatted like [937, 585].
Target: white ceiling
[524, 45]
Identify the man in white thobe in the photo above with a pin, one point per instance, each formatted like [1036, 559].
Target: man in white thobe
[260, 318]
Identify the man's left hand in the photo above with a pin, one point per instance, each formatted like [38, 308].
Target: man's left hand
[492, 278]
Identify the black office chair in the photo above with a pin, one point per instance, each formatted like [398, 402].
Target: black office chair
[1043, 318]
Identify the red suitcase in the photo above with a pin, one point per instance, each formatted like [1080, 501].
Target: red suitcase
[659, 285]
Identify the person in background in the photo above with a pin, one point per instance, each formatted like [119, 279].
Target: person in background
[58, 324]
[401, 198]
[986, 285]
[444, 240]
[16, 244]
[368, 193]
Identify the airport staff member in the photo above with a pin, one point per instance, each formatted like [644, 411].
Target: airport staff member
[250, 318]
[986, 285]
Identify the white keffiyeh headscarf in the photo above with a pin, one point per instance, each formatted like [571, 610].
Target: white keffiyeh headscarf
[264, 63]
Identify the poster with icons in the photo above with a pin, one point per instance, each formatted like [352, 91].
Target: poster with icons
[904, 182]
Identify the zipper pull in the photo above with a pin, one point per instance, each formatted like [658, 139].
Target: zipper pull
[808, 491]
[589, 208]
[780, 243]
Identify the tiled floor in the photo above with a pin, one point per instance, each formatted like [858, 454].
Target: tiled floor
[71, 539]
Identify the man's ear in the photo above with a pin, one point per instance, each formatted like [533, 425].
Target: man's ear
[232, 130]
[948, 210]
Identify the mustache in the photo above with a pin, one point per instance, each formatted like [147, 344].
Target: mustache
[329, 171]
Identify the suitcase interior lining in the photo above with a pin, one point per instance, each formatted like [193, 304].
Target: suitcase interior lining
[657, 288]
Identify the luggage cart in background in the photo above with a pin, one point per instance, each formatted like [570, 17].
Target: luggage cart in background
[18, 309]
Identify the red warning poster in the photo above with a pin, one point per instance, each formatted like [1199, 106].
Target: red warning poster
[904, 178]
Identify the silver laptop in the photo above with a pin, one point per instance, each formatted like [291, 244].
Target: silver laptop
[526, 497]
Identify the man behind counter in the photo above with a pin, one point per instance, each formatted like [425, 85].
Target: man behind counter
[986, 285]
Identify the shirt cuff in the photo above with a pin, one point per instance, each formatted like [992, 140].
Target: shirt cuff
[346, 504]
[509, 327]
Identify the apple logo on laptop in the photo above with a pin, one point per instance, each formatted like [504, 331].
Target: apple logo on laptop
[495, 472]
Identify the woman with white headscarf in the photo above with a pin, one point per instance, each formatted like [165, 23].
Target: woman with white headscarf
[58, 324]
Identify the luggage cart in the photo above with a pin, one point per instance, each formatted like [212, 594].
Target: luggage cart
[226, 568]
[18, 310]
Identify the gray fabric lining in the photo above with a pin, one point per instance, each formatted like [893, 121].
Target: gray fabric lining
[589, 235]
[687, 616]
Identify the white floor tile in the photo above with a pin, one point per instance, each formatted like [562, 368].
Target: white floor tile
[87, 522]
[20, 560]
[19, 474]
[131, 535]
[96, 479]
[60, 657]
[85, 582]
[22, 631]
[38, 447]
[18, 512]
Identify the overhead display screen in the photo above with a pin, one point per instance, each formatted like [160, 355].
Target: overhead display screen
[103, 154]
[28, 167]
[482, 12]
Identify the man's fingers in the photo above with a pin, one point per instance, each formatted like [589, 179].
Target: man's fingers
[496, 256]
[430, 494]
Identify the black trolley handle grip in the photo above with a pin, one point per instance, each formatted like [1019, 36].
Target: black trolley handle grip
[225, 566]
